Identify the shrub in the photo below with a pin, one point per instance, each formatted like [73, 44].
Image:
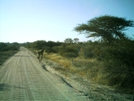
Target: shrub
[118, 64]
[69, 51]
[70, 55]
[86, 52]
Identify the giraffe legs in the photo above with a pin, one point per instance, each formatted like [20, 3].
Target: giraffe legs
[39, 56]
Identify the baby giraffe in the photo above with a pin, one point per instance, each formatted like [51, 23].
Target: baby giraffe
[40, 54]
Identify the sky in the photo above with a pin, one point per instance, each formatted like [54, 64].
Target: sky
[55, 20]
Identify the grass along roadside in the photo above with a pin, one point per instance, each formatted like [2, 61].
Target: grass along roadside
[76, 75]
[86, 68]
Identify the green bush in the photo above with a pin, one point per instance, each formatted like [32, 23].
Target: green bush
[49, 49]
[69, 50]
[70, 55]
[7, 50]
[118, 62]
[9, 46]
[87, 51]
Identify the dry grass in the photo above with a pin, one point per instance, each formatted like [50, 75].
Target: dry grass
[86, 68]
[59, 59]
[89, 69]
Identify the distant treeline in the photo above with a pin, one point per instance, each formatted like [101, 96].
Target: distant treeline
[9, 46]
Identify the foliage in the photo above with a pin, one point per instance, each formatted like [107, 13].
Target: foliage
[69, 50]
[68, 40]
[76, 40]
[117, 66]
[88, 50]
[118, 63]
[107, 27]
[9, 46]
[107, 64]
[38, 44]
[7, 50]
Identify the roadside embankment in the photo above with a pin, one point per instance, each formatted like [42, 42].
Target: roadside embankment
[94, 91]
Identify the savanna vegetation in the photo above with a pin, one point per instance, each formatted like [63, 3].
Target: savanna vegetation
[108, 61]
[7, 50]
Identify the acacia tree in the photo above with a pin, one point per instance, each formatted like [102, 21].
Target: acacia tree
[76, 40]
[107, 27]
[68, 40]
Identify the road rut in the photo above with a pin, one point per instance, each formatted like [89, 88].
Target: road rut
[22, 78]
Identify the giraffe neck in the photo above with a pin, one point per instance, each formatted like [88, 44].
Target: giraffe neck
[42, 50]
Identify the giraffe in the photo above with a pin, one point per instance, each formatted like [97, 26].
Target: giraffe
[40, 54]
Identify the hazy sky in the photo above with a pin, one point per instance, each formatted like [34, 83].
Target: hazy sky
[31, 20]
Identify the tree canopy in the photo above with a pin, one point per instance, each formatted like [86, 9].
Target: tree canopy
[107, 27]
[68, 40]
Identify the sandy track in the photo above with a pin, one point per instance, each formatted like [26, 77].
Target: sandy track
[22, 78]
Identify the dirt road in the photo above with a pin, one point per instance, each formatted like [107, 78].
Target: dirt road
[22, 78]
